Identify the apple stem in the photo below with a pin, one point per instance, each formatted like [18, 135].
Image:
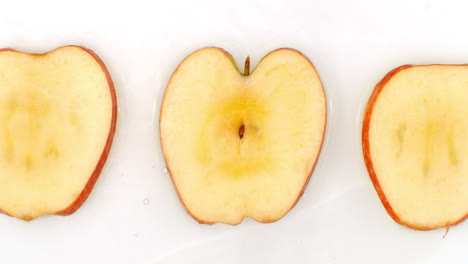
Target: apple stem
[446, 230]
[247, 66]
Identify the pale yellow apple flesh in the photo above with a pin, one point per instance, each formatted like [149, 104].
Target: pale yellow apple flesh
[242, 145]
[416, 145]
[57, 120]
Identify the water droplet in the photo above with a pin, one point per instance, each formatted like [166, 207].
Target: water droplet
[146, 201]
[165, 170]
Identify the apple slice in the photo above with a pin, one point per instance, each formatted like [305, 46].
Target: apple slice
[57, 120]
[415, 145]
[238, 145]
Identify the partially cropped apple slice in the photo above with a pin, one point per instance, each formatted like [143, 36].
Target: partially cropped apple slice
[240, 145]
[57, 120]
[416, 146]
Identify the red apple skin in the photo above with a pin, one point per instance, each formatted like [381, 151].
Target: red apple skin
[367, 152]
[102, 160]
[247, 64]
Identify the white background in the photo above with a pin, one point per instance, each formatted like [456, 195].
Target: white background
[339, 220]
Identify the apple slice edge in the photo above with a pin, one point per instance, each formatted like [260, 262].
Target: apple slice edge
[367, 151]
[247, 72]
[75, 205]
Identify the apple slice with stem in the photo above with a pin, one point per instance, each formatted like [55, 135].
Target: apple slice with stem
[242, 145]
[58, 115]
[415, 145]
